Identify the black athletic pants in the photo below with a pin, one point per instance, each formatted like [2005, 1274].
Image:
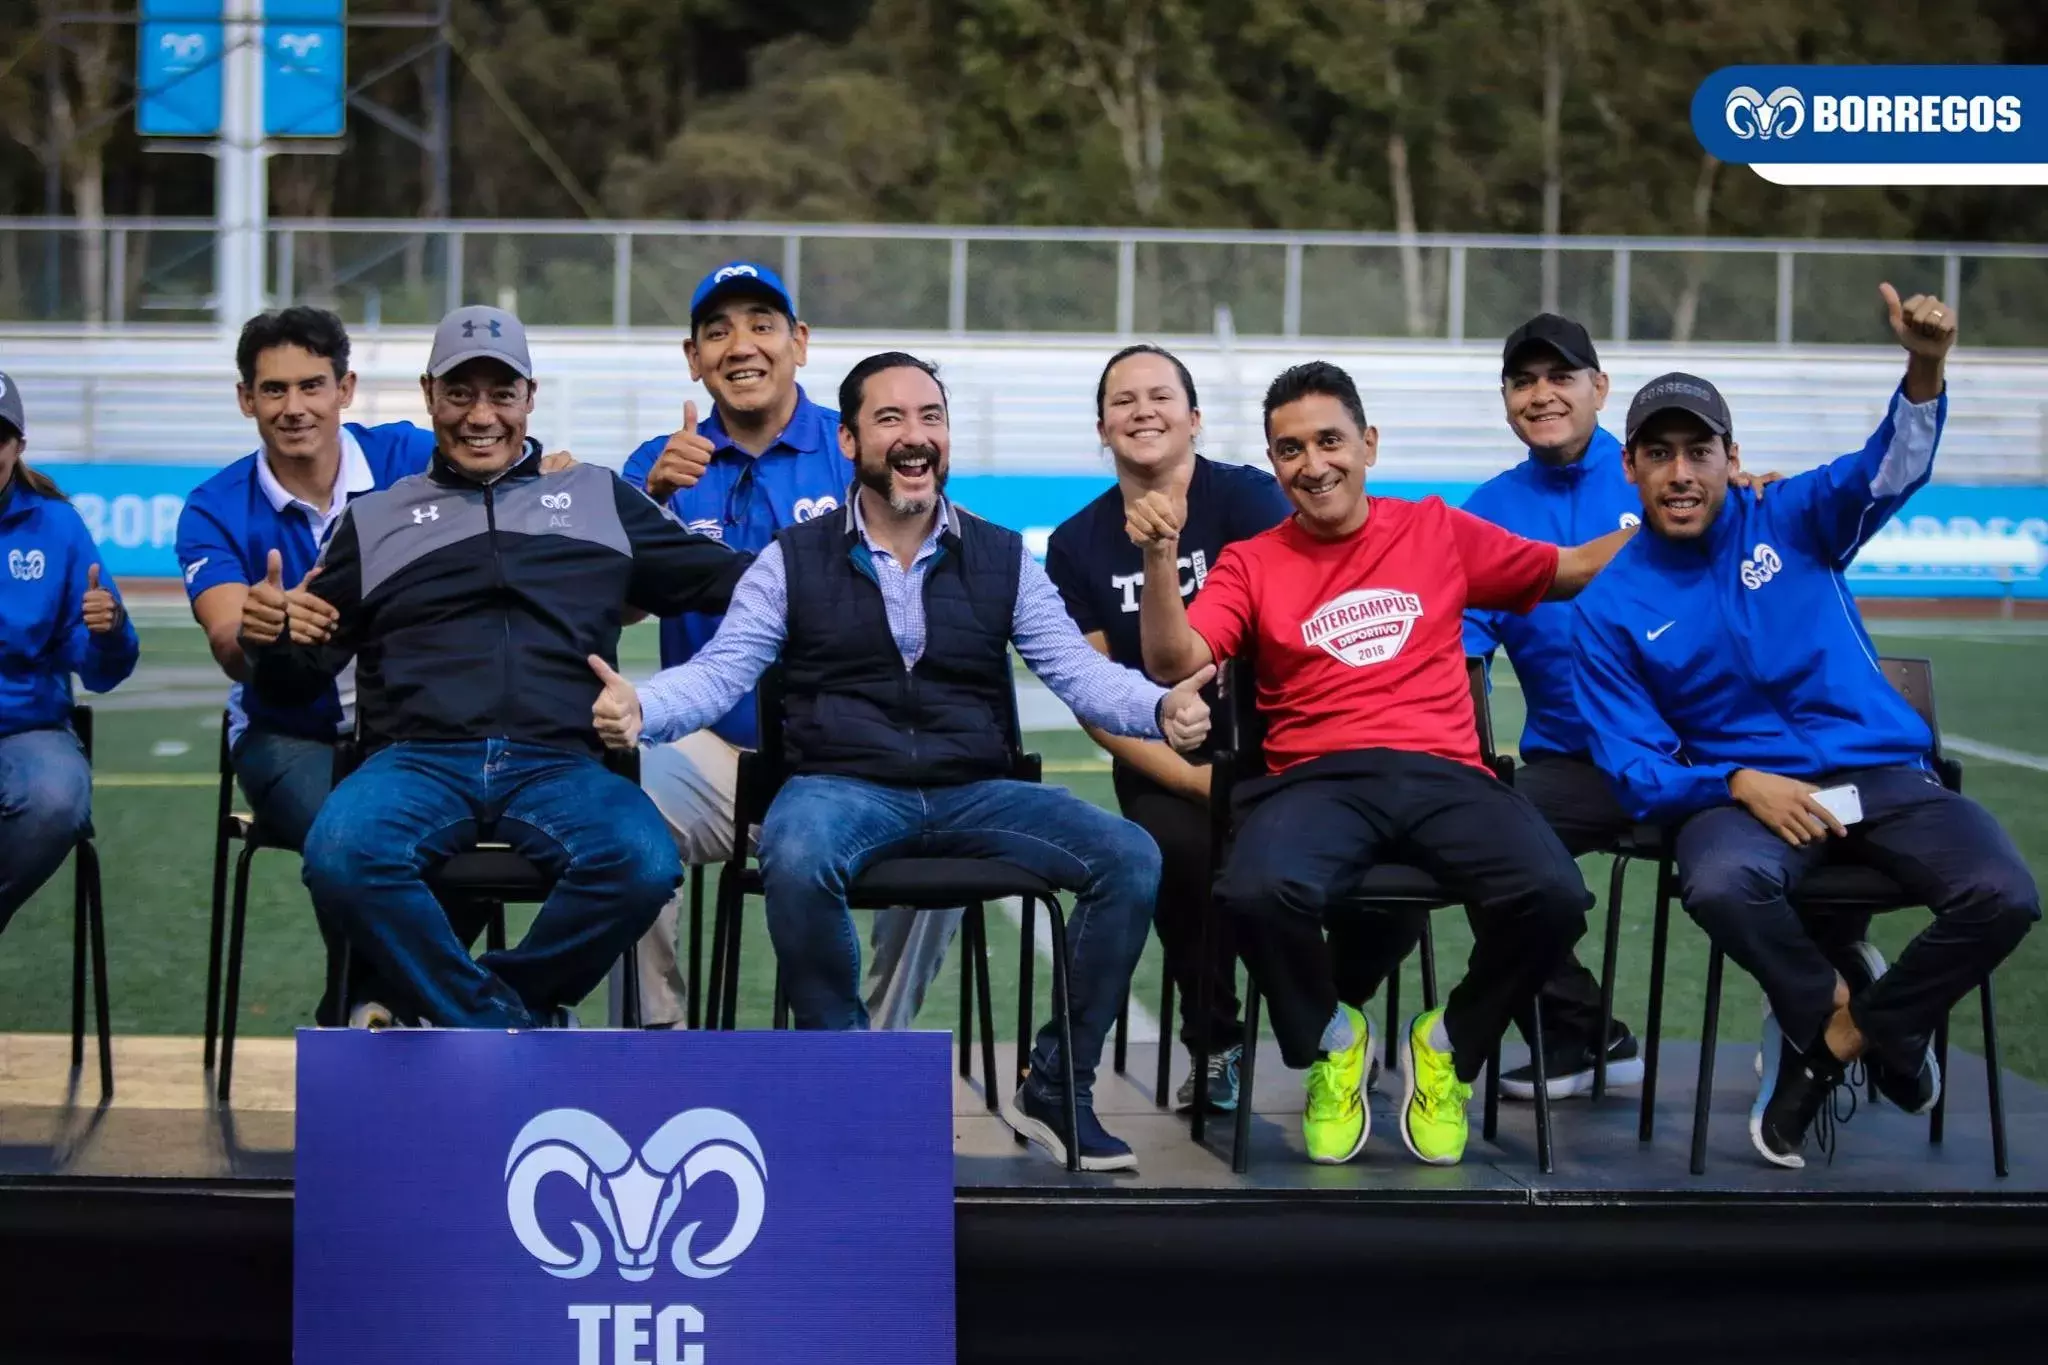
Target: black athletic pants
[1304, 839]
[1180, 827]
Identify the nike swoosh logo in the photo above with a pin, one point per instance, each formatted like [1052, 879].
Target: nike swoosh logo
[1653, 634]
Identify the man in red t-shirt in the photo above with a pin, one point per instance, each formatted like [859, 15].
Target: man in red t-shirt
[1353, 612]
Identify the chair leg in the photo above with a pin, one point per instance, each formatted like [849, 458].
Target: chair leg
[630, 1014]
[781, 1018]
[1653, 1025]
[494, 928]
[1027, 964]
[1393, 989]
[1994, 1092]
[963, 1037]
[1428, 947]
[1937, 1121]
[1162, 1072]
[214, 933]
[1063, 1013]
[1489, 1121]
[1544, 1161]
[1609, 954]
[991, 1089]
[715, 987]
[1710, 1034]
[730, 1005]
[693, 1006]
[231, 1003]
[1120, 1054]
[80, 886]
[1241, 1127]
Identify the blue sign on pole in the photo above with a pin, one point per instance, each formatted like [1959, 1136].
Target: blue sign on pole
[178, 67]
[305, 68]
[623, 1197]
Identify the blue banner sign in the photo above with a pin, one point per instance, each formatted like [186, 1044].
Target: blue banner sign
[623, 1198]
[178, 68]
[1963, 124]
[305, 49]
[1951, 539]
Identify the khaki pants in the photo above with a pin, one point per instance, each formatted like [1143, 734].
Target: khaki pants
[694, 782]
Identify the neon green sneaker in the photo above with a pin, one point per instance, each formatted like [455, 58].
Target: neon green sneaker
[1433, 1111]
[1335, 1121]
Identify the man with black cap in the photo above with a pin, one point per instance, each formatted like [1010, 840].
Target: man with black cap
[1733, 695]
[764, 458]
[482, 602]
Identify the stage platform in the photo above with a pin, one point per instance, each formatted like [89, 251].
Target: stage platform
[160, 1228]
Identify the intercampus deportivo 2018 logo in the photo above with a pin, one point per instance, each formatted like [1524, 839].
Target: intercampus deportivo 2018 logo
[1878, 125]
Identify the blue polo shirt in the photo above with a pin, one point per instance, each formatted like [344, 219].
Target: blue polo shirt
[235, 519]
[743, 500]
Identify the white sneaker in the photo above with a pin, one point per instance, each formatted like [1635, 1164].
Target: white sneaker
[373, 1016]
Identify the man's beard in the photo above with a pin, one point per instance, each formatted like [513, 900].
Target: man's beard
[882, 478]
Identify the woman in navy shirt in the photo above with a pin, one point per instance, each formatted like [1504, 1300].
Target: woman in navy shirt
[59, 615]
[1148, 418]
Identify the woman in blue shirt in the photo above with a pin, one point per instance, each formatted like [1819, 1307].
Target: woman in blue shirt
[1148, 419]
[59, 615]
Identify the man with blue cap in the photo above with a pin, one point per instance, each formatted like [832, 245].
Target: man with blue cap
[766, 457]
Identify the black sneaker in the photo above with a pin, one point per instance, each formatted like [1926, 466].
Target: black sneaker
[1570, 1069]
[1044, 1120]
[1222, 1092]
[1861, 965]
[1795, 1099]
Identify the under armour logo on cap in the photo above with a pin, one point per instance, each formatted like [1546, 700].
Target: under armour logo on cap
[469, 327]
[479, 332]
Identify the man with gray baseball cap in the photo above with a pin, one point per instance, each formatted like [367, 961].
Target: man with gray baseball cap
[482, 602]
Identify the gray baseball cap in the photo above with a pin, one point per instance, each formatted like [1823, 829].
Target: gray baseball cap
[10, 406]
[479, 332]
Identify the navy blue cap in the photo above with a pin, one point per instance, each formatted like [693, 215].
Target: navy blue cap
[739, 277]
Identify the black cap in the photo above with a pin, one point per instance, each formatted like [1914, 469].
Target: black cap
[1676, 392]
[1553, 333]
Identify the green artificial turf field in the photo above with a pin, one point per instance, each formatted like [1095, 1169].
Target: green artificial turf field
[156, 790]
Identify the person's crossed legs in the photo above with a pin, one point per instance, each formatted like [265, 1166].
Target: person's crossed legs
[411, 806]
[822, 831]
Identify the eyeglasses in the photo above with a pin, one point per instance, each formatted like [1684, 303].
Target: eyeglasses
[739, 498]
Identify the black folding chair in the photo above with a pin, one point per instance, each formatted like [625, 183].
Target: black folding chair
[905, 883]
[89, 933]
[489, 872]
[1394, 888]
[1838, 887]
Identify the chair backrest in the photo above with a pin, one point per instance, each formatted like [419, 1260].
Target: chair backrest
[227, 771]
[1914, 678]
[764, 770]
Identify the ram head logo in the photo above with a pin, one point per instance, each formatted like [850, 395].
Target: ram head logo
[1751, 115]
[183, 47]
[300, 45]
[636, 1194]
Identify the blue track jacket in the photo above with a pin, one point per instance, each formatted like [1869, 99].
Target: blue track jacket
[1744, 649]
[46, 552]
[1559, 505]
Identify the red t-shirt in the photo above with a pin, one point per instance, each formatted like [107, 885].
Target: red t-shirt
[1359, 642]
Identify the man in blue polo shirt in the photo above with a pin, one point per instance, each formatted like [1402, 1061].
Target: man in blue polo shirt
[767, 457]
[1733, 695]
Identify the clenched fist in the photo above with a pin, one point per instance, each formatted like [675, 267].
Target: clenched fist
[616, 712]
[1183, 715]
[102, 612]
[683, 460]
[1153, 521]
[270, 609]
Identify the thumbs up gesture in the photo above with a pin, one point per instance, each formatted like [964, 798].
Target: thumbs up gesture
[270, 610]
[1924, 325]
[683, 460]
[1183, 715]
[102, 611]
[616, 712]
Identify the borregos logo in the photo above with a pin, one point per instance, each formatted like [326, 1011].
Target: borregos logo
[1778, 114]
[1916, 113]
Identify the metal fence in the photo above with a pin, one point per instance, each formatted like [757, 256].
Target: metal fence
[963, 281]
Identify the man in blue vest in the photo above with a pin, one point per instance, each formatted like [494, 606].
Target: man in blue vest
[1571, 488]
[766, 458]
[1733, 694]
[893, 619]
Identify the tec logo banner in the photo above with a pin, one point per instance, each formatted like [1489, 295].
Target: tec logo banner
[623, 1197]
[1878, 125]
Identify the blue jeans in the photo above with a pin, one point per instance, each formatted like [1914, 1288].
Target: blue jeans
[1735, 878]
[286, 778]
[45, 803]
[822, 831]
[410, 806]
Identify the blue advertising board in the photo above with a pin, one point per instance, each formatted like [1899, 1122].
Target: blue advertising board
[305, 51]
[623, 1198]
[132, 511]
[178, 68]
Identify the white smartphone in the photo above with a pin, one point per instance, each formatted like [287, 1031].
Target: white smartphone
[1843, 802]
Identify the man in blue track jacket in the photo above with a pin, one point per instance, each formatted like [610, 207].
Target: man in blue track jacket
[1734, 695]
